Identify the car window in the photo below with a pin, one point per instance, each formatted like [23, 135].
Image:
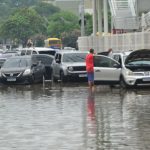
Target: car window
[45, 60]
[28, 52]
[34, 52]
[74, 57]
[50, 52]
[117, 58]
[23, 52]
[100, 61]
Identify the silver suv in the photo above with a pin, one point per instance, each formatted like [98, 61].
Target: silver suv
[69, 64]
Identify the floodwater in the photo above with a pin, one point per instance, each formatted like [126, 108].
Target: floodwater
[69, 117]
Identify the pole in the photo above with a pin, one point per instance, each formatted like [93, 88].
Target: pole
[82, 18]
[105, 16]
[94, 18]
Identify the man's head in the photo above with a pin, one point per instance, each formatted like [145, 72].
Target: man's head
[92, 50]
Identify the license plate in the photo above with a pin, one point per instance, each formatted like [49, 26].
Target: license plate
[82, 75]
[11, 79]
[146, 79]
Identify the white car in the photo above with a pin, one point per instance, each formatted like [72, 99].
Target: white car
[38, 50]
[135, 67]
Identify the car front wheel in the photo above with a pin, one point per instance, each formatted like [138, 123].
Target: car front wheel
[122, 83]
[62, 77]
[32, 79]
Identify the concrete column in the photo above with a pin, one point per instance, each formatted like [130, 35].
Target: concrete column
[99, 8]
[105, 6]
[94, 17]
[82, 18]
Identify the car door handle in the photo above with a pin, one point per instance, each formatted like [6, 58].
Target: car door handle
[97, 70]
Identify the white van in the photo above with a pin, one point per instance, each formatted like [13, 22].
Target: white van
[37, 50]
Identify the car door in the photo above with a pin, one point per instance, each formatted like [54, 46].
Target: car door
[38, 69]
[106, 69]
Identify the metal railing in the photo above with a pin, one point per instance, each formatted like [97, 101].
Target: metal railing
[118, 42]
[124, 14]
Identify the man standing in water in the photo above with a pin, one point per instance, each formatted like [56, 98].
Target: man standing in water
[90, 69]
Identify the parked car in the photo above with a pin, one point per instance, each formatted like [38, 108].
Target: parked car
[38, 50]
[69, 65]
[22, 69]
[136, 70]
[47, 61]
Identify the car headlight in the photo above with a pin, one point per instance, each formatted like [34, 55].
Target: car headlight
[70, 68]
[129, 73]
[27, 72]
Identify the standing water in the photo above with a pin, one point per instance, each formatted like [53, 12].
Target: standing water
[72, 118]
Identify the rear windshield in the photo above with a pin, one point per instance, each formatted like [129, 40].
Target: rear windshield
[48, 52]
[74, 57]
[45, 60]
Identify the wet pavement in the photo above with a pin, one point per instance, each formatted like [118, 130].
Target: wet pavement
[72, 118]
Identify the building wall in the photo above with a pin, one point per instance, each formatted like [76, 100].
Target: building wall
[142, 6]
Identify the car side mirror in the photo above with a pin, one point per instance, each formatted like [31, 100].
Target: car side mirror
[58, 61]
[34, 64]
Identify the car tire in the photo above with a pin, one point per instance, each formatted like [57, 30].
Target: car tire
[122, 83]
[53, 78]
[62, 77]
[32, 79]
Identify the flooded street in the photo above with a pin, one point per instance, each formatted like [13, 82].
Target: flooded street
[71, 118]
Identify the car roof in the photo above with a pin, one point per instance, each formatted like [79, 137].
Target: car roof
[71, 51]
[39, 49]
[41, 55]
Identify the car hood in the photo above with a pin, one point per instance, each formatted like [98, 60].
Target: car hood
[138, 60]
[7, 70]
[138, 54]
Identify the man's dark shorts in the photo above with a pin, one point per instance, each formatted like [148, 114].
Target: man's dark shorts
[90, 76]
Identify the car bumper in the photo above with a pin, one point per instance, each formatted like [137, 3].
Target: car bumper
[77, 75]
[15, 80]
[131, 81]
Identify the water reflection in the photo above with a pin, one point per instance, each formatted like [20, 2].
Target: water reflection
[72, 118]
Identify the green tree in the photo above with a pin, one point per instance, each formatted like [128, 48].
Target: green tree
[23, 24]
[62, 22]
[69, 39]
[89, 24]
[46, 9]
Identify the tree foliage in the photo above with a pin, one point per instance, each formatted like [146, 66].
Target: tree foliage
[69, 39]
[62, 22]
[22, 24]
[46, 9]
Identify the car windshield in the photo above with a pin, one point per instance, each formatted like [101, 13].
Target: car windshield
[17, 62]
[74, 57]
